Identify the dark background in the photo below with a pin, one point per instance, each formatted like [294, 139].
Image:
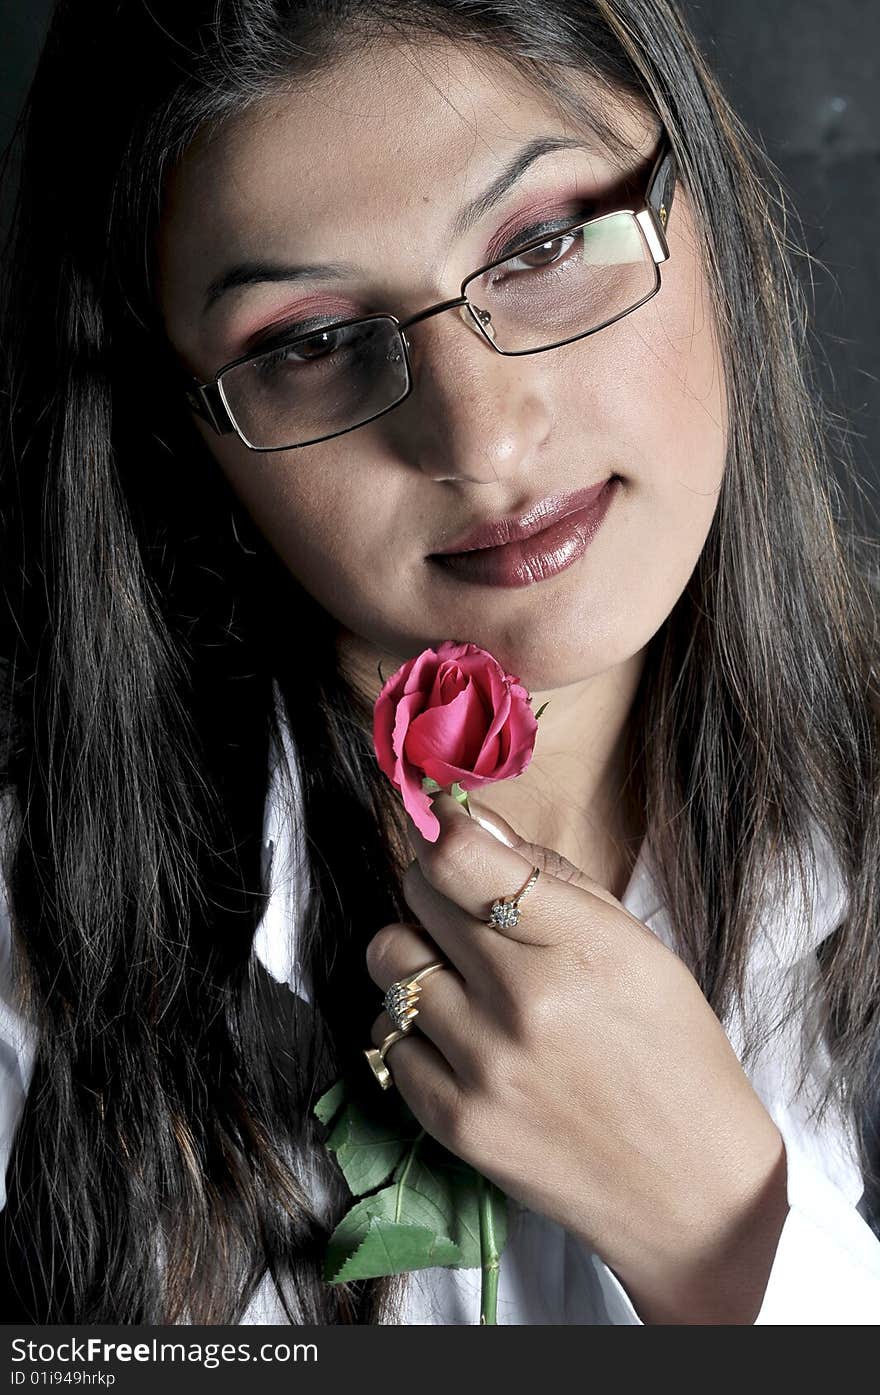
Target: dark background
[803, 76]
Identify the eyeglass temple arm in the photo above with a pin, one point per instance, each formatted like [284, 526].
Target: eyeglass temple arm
[206, 402]
[661, 191]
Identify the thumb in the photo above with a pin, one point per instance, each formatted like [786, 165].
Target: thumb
[549, 860]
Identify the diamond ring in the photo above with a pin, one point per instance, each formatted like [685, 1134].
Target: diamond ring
[402, 997]
[506, 913]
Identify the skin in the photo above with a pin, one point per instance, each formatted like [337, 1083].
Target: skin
[669, 1167]
[482, 435]
[369, 165]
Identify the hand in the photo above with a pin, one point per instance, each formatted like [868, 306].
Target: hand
[574, 1061]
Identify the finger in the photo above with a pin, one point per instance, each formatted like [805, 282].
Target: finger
[425, 1081]
[477, 951]
[473, 869]
[444, 1013]
[548, 859]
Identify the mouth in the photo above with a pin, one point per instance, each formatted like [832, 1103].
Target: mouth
[516, 528]
[549, 548]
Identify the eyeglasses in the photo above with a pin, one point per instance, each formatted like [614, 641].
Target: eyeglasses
[320, 380]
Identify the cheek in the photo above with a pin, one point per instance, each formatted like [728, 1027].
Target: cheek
[653, 398]
[670, 364]
[663, 379]
[313, 519]
[682, 384]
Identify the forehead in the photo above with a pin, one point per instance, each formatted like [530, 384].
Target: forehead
[392, 116]
[436, 113]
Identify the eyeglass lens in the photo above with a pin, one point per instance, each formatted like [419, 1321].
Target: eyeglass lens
[317, 386]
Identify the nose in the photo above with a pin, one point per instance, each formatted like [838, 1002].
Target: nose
[473, 414]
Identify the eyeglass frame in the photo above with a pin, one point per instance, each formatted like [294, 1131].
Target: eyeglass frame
[206, 399]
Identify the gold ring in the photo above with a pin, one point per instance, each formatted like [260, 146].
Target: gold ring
[376, 1057]
[402, 996]
[506, 913]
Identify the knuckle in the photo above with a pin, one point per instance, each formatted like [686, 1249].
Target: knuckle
[493, 1074]
[593, 952]
[469, 1129]
[559, 867]
[451, 855]
[539, 1015]
[523, 1010]
[379, 952]
[512, 1008]
[588, 941]
[448, 1118]
[410, 875]
[477, 1071]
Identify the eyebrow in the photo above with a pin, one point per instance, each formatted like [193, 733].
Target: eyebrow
[253, 273]
[510, 175]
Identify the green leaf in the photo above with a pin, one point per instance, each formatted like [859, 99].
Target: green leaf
[426, 1216]
[453, 1187]
[330, 1101]
[390, 1248]
[452, 1193]
[430, 786]
[541, 709]
[400, 1210]
[368, 1148]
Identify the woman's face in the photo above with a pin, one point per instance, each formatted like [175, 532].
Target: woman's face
[370, 167]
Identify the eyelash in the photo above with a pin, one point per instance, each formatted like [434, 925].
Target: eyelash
[279, 336]
[544, 230]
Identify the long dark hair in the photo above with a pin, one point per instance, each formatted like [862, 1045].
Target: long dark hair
[160, 1166]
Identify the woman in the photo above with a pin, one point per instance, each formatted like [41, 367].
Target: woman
[668, 1065]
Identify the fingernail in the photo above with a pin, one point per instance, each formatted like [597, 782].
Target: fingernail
[490, 828]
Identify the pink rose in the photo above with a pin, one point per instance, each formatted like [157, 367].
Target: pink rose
[454, 716]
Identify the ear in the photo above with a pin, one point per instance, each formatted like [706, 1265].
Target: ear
[549, 861]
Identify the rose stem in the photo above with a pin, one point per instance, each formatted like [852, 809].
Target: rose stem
[489, 1258]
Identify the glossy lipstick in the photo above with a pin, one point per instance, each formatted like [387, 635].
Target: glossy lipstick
[541, 554]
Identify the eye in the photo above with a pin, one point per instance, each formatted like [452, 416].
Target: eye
[317, 346]
[306, 351]
[547, 254]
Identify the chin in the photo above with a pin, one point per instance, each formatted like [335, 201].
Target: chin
[542, 664]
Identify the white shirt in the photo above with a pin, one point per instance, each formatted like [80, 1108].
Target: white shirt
[827, 1264]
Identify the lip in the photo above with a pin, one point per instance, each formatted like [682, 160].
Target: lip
[546, 511]
[540, 554]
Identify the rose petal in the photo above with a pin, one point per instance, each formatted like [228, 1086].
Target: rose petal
[454, 714]
[418, 805]
[442, 733]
